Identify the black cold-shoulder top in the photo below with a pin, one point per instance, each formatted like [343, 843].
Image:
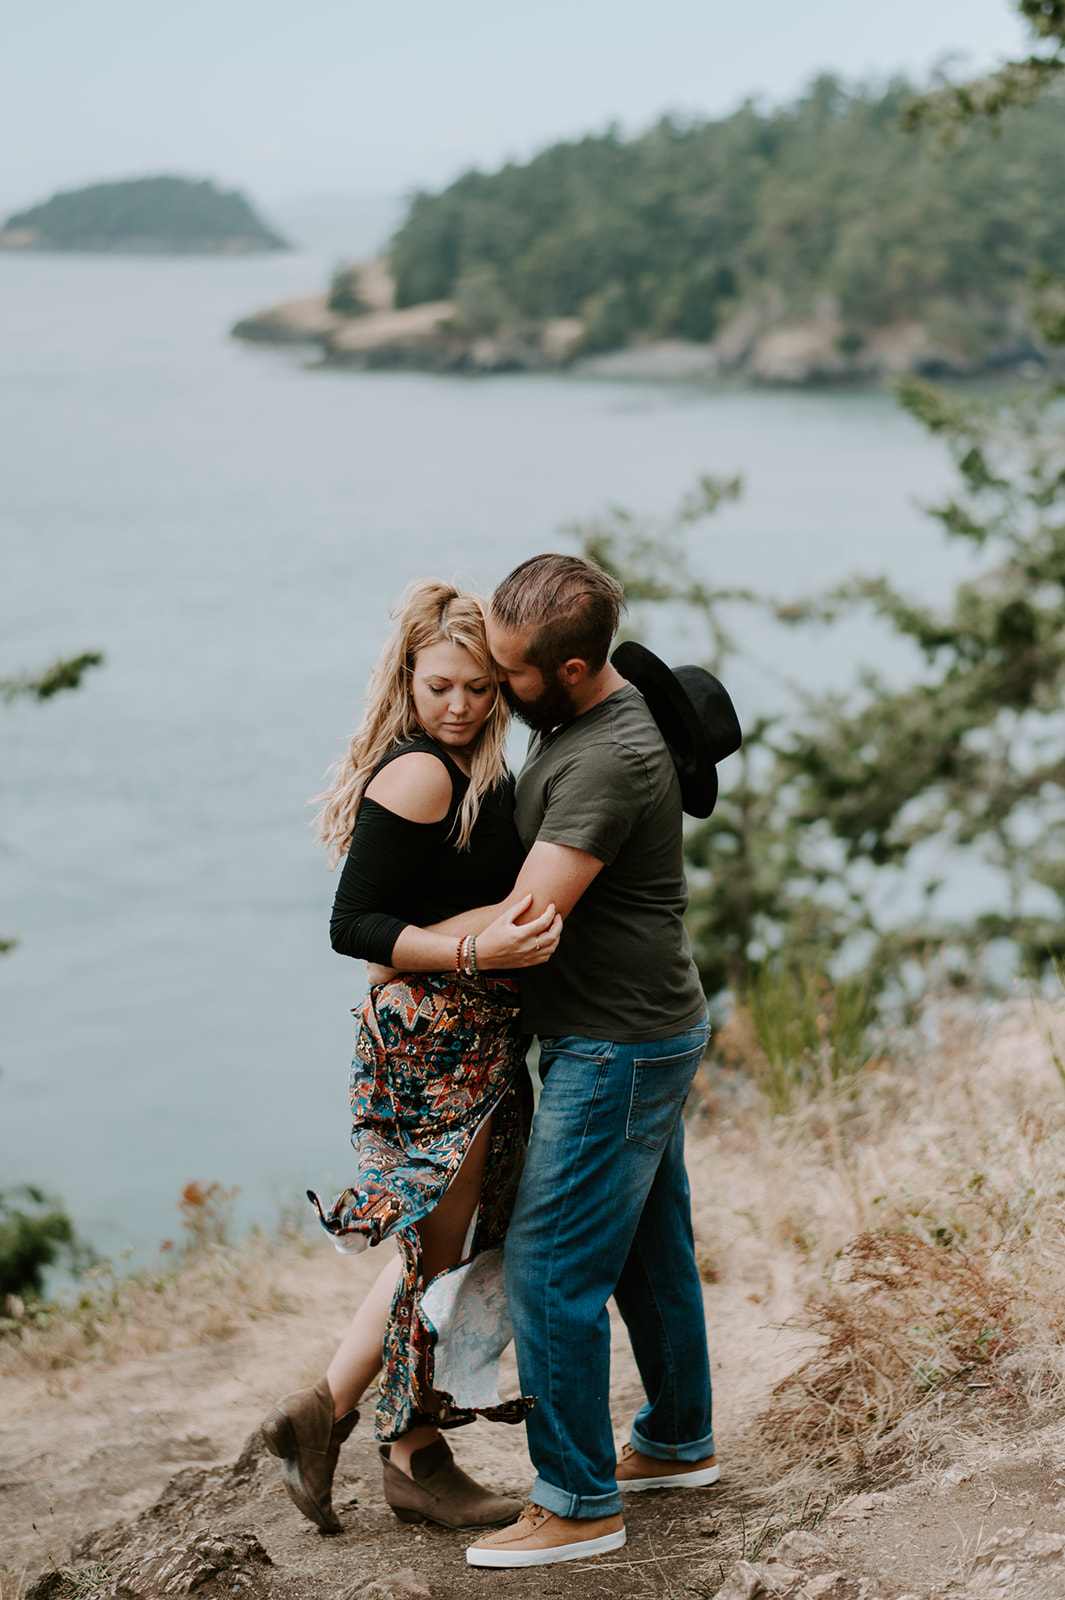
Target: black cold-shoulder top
[400, 874]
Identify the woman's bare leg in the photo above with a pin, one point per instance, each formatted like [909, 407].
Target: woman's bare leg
[443, 1234]
[358, 1358]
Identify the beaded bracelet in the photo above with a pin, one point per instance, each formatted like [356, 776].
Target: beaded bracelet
[466, 956]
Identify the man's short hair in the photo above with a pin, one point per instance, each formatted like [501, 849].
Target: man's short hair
[569, 607]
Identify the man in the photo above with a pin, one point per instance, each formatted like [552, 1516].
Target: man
[603, 1209]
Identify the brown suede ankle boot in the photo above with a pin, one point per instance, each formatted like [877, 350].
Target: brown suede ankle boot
[301, 1432]
[439, 1491]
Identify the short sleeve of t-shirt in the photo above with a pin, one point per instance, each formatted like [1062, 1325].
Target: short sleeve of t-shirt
[595, 799]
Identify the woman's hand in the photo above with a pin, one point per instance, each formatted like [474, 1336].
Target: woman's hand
[377, 974]
[505, 943]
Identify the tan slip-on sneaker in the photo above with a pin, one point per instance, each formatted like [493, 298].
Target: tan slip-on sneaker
[637, 1471]
[540, 1537]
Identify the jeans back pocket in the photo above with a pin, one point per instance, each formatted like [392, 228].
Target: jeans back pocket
[659, 1089]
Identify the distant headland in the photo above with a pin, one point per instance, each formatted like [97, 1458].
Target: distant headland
[816, 243]
[150, 216]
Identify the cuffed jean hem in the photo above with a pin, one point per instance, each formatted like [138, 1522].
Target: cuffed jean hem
[564, 1504]
[696, 1451]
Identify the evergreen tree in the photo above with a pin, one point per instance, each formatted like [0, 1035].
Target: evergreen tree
[972, 755]
[782, 212]
[1017, 83]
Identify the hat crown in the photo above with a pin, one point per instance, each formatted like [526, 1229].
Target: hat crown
[695, 717]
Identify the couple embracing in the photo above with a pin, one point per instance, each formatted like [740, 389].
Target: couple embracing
[455, 879]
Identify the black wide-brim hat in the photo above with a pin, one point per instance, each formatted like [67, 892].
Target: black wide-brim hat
[695, 717]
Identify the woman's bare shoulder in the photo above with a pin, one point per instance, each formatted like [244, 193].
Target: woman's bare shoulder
[415, 786]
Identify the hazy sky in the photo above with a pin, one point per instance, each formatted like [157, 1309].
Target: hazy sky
[344, 96]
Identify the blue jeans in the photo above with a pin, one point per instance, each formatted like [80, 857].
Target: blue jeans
[604, 1209]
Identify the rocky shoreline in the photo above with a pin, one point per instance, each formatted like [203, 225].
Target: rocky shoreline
[756, 344]
[420, 338]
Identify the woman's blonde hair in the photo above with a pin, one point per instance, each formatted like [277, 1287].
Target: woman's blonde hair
[428, 612]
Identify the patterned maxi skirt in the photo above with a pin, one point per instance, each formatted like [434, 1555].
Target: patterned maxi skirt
[435, 1056]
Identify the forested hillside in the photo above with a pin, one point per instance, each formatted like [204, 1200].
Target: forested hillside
[825, 203]
[158, 214]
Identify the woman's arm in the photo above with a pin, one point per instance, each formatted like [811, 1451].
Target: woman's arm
[502, 941]
[394, 841]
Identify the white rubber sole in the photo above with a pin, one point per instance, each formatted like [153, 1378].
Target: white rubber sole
[674, 1480]
[544, 1558]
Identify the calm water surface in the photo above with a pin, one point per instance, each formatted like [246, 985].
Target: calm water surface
[229, 526]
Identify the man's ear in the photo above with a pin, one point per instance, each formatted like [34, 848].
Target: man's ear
[573, 672]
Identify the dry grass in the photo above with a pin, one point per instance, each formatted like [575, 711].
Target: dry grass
[73, 1583]
[206, 1289]
[911, 1220]
[901, 1319]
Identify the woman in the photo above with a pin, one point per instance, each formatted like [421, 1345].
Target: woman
[423, 806]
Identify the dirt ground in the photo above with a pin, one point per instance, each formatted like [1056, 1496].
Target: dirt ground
[146, 1478]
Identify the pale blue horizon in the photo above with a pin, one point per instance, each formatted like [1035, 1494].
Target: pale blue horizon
[344, 99]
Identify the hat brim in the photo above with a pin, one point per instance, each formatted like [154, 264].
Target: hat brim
[694, 715]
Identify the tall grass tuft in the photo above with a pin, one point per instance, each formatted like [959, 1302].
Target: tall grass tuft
[799, 1032]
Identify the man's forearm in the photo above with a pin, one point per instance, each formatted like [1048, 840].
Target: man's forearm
[556, 874]
[464, 922]
[553, 874]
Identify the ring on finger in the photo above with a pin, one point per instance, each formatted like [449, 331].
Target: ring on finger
[536, 942]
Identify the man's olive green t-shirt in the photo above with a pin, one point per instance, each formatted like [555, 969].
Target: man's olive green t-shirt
[604, 783]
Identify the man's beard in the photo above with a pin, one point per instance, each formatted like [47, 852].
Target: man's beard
[551, 707]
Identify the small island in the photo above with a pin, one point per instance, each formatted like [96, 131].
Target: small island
[156, 216]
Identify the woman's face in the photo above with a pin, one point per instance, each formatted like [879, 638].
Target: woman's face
[452, 695]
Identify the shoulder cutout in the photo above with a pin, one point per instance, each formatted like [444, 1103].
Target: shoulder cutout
[416, 786]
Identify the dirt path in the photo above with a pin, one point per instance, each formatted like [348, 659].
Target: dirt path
[142, 1463]
[89, 1449]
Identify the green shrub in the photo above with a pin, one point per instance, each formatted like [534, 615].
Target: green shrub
[344, 293]
[481, 307]
[813, 1032]
[35, 1232]
[607, 317]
